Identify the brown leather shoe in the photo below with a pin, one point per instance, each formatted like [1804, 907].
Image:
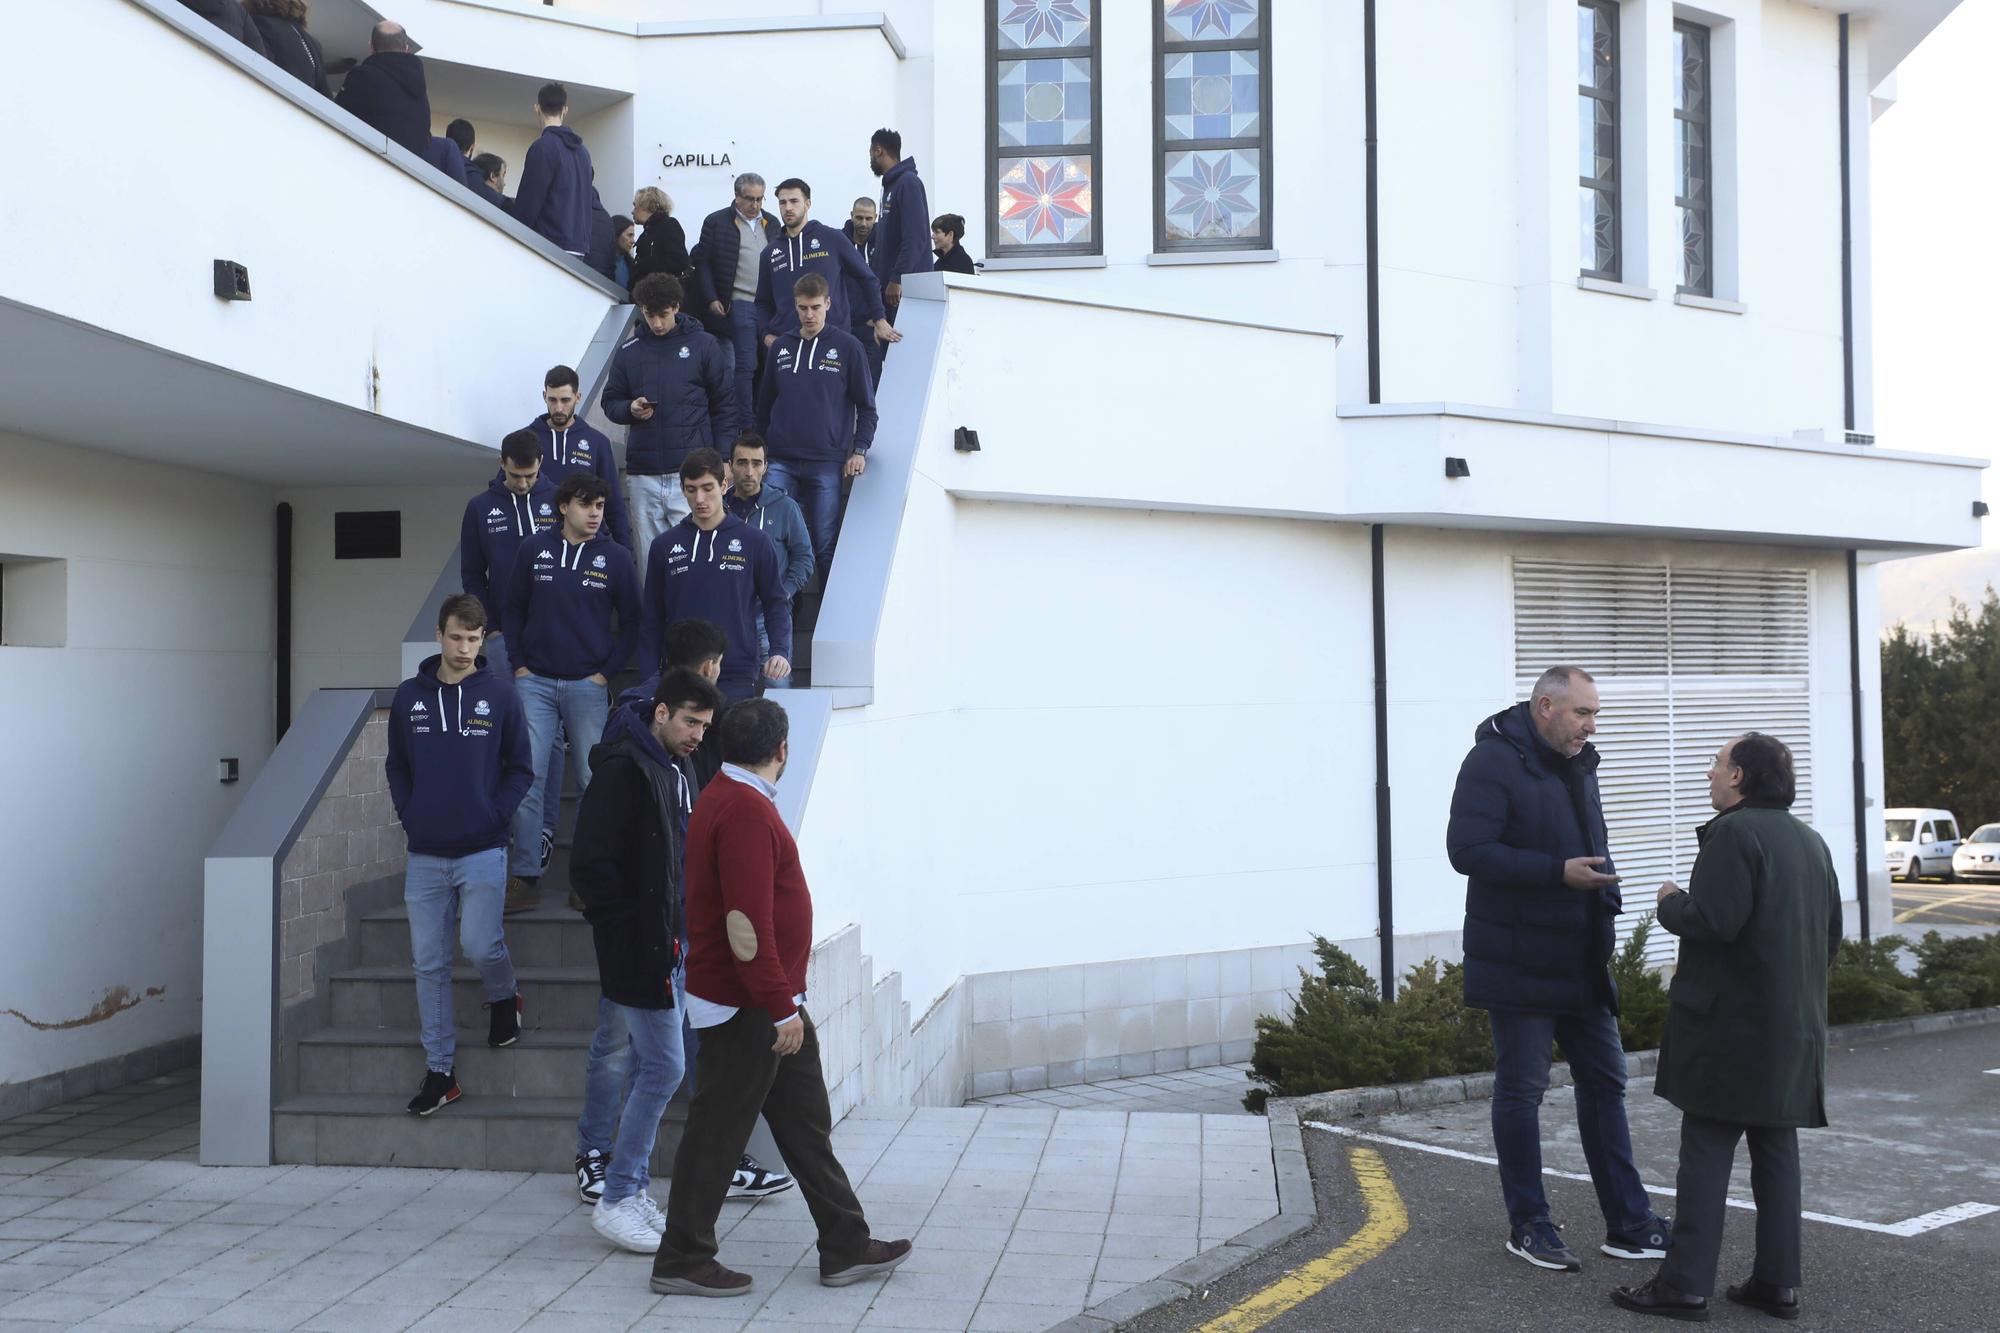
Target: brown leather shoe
[523, 895]
[880, 1257]
[711, 1279]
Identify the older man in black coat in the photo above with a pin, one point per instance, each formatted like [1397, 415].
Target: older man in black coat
[1541, 902]
[387, 91]
[1745, 1047]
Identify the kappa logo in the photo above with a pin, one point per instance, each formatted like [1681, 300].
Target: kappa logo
[418, 707]
[678, 549]
[496, 512]
[546, 555]
[597, 563]
[482, 708]
[684, 353]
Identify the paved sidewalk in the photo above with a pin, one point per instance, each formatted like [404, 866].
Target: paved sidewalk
[1021, 1217]
[1213, 1090]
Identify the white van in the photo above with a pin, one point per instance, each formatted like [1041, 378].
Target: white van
[1920, 842]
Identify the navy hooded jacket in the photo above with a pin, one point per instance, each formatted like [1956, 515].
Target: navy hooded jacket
[449, 159]
[819, 249]
[903, 228]
[817, 398]
[560, 601]
[726, 576]
[581, 447]
[681, 373]
[386, 91]
[778, 516]
[1519, 811]
[553, 196]
[459, 760]
[496, 523]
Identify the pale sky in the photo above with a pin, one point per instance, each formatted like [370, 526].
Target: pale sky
[1936, 198]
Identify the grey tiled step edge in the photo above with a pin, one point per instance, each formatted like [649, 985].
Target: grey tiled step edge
[545, 937]
[477, 1132]
[546, 1062]
[384, 996]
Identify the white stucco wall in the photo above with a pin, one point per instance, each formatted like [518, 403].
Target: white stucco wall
[109, 795]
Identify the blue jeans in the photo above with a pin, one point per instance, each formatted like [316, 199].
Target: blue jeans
[739, 356]
[873, 346]
[580, 707]
[1597, 1069]
[763, 656]
[657, 1062]
[816, 486]
[496, 657]
[471, 889]
[607, 1077]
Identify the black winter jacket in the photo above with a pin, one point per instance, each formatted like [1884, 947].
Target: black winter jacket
[293, 49]
[229, 16]
[663, 248]
[625, 862]
[681, 375]
[720, 246]
[387, 92]
[1519, 811]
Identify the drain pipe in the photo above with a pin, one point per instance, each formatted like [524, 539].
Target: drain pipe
[1846, 238]
[1860, 767]
[1385, 875]
[1373, 265]
[1860, 764]
[284, 663]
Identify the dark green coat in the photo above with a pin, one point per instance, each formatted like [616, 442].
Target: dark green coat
[1746, 1033]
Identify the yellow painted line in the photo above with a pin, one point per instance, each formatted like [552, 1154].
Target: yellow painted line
[1953, 901]
[1387, 1221]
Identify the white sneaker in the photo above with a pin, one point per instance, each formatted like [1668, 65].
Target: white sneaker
[655, 1219]
[626, 1225]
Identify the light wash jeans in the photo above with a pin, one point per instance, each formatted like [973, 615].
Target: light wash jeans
[495, 649]
[656, 503]
[607, 1079]
[657, 1063]
[580, 707]
[470, 890]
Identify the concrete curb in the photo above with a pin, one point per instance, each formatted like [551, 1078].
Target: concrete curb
[1297, 1212]
[1357, 1103]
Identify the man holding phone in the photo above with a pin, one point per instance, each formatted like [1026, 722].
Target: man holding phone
[1541, 907]
[670, 384]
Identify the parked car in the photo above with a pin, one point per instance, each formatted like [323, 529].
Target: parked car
[1978, 857]
[1920, 842]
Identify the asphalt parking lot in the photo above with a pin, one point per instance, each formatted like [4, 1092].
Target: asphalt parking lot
[1915, 1137]
[1933, 902]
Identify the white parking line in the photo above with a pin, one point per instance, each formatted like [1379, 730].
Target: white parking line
[1912, 1226]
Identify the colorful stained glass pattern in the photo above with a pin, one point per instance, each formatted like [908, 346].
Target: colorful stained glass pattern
[1212, 94]
[1210, 20]
[1044, 25]
[1214, 196]
[1045, 201]
[1042, 103]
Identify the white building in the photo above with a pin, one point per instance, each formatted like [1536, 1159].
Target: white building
[1335, 367]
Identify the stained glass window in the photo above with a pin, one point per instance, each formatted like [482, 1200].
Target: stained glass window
[1597, 139]
[1044, 110]
[1211, 135]
[1694, 179]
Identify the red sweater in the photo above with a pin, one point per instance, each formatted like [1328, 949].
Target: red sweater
[746, 895]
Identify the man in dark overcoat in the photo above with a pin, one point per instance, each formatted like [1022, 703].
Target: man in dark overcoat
[1745, 1046]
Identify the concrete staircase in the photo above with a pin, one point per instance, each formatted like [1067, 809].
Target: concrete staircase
[520, 1104]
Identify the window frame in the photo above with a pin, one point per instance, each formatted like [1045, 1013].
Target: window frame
[1092, 51]
[1261, 142]
[1706, 119]
[1614, 184]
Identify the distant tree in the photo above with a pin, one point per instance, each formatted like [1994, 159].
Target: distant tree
[1938, 697]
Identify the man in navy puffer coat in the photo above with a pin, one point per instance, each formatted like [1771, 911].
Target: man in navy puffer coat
[1541, 905]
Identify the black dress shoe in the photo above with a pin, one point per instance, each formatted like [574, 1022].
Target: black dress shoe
[1776, 1301]
[1656, 1297]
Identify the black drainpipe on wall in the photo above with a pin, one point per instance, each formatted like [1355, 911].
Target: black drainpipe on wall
[284, 684]
[1385, 875]
[1861, 858]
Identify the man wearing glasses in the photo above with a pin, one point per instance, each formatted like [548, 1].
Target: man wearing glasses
[732, 239]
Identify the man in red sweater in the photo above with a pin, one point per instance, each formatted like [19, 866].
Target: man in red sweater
[749, 918]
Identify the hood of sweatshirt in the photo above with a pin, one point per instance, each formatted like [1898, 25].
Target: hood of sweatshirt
[530, 511]
[563, 135]
[404, 69]
[765, 496]
[451, 698]
[684, 324]
[907, 167]
[630, 722]
[558, 445]
[702, 546]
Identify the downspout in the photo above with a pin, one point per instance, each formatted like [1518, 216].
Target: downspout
[1370, 198]
[284, 663]
[1860, 766]
[1385, 876]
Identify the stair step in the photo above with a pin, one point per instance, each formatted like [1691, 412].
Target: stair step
[474, 1133]
[385, 996]
[545, 1062]
[549, 936]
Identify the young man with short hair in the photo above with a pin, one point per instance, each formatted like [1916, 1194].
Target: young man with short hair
[554, 194]
[626, 866]
[715, 566]
[670, 385]
[816, 407]
[566, 589]
[750, 933]
[803, 247]
[902, 230]
[458, 765]
[769, 510]
[515, 505]
[571, 444]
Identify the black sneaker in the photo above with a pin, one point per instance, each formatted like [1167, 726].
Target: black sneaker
[1650, 1241]
[1542, 1245]
[548, 849]
[503, 1024]
[752, 1181]
[590, 1175]
[438, 1090]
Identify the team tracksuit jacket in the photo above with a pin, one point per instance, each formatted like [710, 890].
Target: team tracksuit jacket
[496, 523]
[458, 760]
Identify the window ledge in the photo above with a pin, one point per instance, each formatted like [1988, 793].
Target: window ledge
[1161, 259]
[1022, 263]
[1715, 303]
[1610, 288]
